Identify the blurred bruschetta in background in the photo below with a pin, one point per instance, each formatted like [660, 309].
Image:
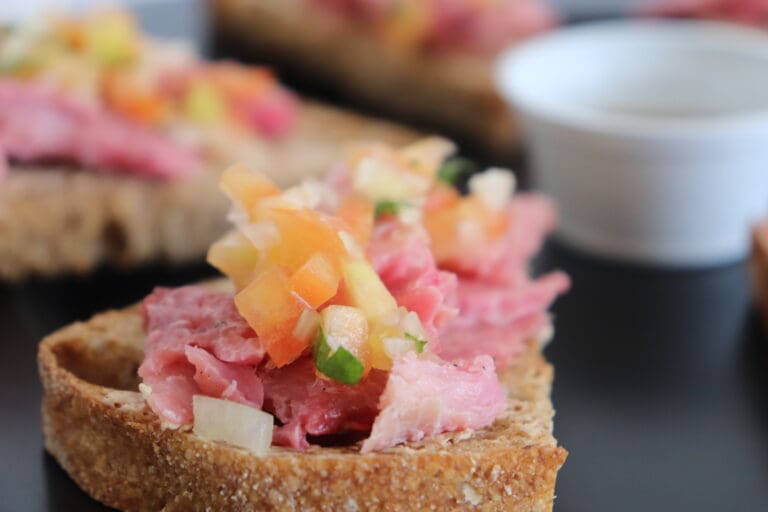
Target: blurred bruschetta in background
[110, 143]
[427, 61]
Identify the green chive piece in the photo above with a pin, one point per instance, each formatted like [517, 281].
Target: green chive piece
[341, 366]
[419, 342]
[454, 167]
[388, 207]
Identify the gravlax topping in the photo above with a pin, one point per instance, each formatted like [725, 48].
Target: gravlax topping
[343, 321]
[426, 397]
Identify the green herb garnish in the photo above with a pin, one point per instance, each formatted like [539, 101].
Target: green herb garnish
[419, 342]
[341, 366]
[388, 207]
[454, 167]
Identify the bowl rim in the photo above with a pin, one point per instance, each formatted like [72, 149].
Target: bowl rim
[508, 68]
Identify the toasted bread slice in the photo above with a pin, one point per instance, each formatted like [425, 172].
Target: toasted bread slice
[55, 219]
[759, 269]
[99, 429]
[448, 92]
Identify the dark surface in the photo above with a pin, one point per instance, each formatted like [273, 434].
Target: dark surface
[661, 389]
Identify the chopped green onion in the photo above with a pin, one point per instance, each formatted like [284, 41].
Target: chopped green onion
[454, 167]
[419, 342]
[341, 366]
[387, 207]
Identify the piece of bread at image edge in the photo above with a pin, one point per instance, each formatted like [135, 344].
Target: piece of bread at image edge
[57, 220]
[446, 91]
[758, 266]
[101, 432]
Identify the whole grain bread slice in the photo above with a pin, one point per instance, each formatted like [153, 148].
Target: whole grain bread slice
[97, 426]
[449, 92]
[55, 219]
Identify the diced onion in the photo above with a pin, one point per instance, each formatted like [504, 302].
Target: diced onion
[494, 187]
[306, 325]
[352, 247]
[261, 234]
[395, 345]
[412, 324]
[410, 214]
[233, 423]
[380, 180]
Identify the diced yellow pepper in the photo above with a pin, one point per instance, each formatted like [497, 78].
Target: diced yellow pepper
[236, 257]
[204, 104]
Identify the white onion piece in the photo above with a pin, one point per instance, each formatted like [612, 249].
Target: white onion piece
[494, 187]
[306, 325]
[233, 423]
[353, 249]
[380, 180]
[261, 234]
[412, 325]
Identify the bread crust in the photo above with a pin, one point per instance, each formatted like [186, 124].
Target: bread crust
[758, 265]
[58, 219]
[450, 91]
[102, 433]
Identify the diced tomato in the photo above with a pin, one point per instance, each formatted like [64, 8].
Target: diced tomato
[303, 233]
[442, 227]
[134, 100]
[441, 196]
[246, 187]
[270, 308]
[493, 223]
[446, 216]
[237, 81]
[316, 281]
[356, 213]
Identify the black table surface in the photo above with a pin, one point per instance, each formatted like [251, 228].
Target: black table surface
[661, 386]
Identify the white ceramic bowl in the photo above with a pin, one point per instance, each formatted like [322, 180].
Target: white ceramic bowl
[651, 135]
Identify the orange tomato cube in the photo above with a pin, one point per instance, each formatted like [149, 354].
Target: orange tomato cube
[238, 81]
[246, 187]
[134, 100]
[270, 308]
[441, 225]
[303, 233]
[356, 215]
[317, 281]
[440, 197]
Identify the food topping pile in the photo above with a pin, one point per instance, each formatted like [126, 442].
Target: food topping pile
[94, 91]
[378, 301]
